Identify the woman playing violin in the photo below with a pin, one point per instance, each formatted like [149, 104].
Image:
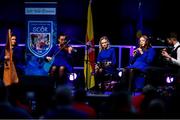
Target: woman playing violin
[61, 64]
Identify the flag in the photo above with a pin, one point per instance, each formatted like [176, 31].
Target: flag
[139, 25]
[10, 74]
[89, 63]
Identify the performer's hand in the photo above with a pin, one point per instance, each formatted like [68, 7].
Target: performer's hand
[100, 70]
[49, 58]
[108, 63]
[164, 49]
[166, 55]
[6, 57]
[134, 52]
[140, 50]
[96, 68]
[70, 49]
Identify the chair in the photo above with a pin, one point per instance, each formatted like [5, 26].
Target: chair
[111, 81]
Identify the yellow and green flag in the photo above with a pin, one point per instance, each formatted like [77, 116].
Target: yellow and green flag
[89, 63]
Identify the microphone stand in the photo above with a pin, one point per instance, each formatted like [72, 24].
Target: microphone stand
[87, 66]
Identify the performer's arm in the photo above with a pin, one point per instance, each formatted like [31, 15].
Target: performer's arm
[113, 57]
[176, 61]
[151, 56]
[69, 52]
[97, 65]
[98, 58]
[135, 55]
[48, 57]
[2, 56]
[70, 49]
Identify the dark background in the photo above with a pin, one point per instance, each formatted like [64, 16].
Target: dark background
[115, 18]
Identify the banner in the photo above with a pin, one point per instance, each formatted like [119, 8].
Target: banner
[41, 35]
[89, 63]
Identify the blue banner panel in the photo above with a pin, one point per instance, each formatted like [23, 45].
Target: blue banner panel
[41, 35]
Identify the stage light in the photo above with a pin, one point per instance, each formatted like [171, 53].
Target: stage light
[120, 73]
[172, 79]
[72, 76]
[169, 79]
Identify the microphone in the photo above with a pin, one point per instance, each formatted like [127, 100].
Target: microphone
[89, 44]
[135, 52]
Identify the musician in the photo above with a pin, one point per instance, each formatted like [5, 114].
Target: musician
[18, 56]
[172, 56]
[61, 65]
[106, 61]
[141, 59]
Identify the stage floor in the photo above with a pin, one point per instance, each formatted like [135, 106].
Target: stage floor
[45, 83]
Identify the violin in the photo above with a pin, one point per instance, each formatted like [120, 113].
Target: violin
[66, 47]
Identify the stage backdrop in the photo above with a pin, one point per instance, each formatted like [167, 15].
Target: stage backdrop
[41, 34]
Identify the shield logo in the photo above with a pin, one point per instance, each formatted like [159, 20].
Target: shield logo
[39, 43]
[40, 37]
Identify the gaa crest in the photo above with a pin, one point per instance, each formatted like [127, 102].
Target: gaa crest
[39, 38]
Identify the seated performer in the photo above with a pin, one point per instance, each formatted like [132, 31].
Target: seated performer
[142, 58]
[18, 57]
[172, 56]
[61, 55]
[106, 61]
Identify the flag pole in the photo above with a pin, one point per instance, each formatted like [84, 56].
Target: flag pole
[89, 58]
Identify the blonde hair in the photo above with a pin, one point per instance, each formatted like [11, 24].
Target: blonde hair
[100, 45]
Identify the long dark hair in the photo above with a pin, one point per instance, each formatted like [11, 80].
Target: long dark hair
[13, 35]
[147, 43]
